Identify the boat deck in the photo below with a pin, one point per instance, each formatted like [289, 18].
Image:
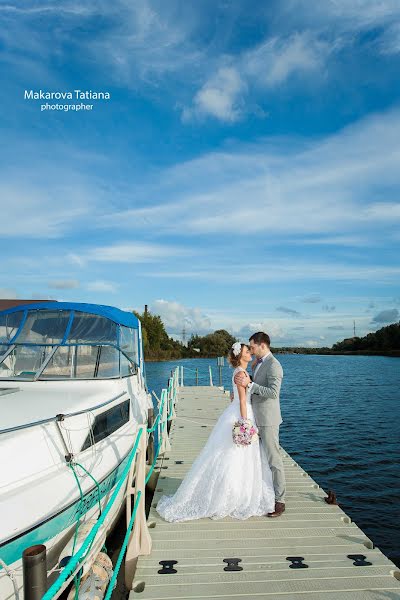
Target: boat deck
[322, 535]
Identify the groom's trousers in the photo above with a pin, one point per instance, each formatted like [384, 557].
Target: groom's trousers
[270, 440]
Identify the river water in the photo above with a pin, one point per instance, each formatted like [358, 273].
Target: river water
[341, 423]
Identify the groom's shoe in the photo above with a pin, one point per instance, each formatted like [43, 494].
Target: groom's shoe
[279, 509]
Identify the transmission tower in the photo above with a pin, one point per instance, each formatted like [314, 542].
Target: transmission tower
[184, 335]
[354, 328]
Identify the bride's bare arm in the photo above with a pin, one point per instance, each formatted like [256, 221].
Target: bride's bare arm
[242, 399]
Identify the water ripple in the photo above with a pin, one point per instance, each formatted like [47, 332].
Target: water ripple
[341, 423]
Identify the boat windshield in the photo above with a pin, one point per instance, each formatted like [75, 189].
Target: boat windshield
[59, 344]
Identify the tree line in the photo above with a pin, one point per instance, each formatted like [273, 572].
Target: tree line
[384, 341]
[157, 344]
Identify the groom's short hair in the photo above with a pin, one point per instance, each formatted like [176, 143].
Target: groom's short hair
[260, 338]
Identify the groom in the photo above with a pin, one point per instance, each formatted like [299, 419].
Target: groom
[264, 387]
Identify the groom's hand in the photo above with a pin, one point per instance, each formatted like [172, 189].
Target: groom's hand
[242, 379]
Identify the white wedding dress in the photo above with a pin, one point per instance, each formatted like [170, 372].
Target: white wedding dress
[225, 479]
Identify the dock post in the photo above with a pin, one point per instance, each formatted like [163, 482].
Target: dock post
[34, 568]
[197, 376]
[182, 376]
[140, 541]
[169, 396]
[220, 375]
[171, 401]
[150, 444]
[165, 445]
[210, 372]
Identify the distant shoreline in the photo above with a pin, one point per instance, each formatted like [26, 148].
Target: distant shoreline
[302, 351]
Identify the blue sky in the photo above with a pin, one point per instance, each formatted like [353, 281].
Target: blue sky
[244, 173]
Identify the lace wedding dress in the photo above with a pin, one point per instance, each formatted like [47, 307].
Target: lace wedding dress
[225, 479]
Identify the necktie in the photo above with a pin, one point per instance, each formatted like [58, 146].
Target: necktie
[259, 361]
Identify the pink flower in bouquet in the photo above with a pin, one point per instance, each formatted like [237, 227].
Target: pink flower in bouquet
[244, 432]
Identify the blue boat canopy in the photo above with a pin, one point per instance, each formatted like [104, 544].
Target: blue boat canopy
[121, 317]
[68, 339]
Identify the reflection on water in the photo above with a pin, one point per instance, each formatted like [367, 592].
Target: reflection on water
[341, 423]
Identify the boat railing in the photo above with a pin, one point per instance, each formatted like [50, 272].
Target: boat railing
[61, 417]
[137, 540]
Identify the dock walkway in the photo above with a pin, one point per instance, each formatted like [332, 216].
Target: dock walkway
[321, 534]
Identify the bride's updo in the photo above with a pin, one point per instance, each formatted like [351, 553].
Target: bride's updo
[235, 354]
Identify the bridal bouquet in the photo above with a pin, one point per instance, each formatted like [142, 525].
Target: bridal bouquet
[244, 432]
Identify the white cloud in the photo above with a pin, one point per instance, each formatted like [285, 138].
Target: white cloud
[328, 308]
[384, 211]
[45, 209]
[220, 97]
[311, 298]
[224, 94]
[48, 189]
[72, 8]
[8, 293]
[387, 316]
[274, 330]
[284, 271]
[176, 316]
[390, 43]
[145, 43]
[64, 284]
[358, 14]
[305, 192]
[276, 60]
[313, 343]
[102, 286]
[75, 259]
[342, 22]
[132, 252]
[288, 311]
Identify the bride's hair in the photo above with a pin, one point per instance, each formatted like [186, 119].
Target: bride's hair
[235, 360]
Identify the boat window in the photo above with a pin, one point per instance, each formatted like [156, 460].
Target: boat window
[92, 329]
[70, 362]
[106, 423]
[24, 361]
[126, 367]
[9, 325]
[44, 327]
[86, 362]
[108, 362]
[129, 343]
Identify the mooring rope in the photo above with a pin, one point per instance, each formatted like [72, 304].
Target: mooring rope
[11, 574]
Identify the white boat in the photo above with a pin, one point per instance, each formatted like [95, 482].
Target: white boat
[72, 396]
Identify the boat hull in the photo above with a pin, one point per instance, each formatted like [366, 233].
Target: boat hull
[57, 532]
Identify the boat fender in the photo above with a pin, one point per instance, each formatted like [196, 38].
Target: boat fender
[83, 532]
[94, 584]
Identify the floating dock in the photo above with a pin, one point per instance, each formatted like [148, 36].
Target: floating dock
[313, 551]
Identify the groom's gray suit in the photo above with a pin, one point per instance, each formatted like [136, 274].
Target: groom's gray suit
[265, 390]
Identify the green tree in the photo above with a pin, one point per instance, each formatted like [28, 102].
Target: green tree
[157, 345]
[386, 339]
[213, 344]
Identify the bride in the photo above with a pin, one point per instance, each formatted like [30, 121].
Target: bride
[225, 480]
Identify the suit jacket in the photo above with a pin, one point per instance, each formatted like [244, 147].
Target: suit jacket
[265, 392]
